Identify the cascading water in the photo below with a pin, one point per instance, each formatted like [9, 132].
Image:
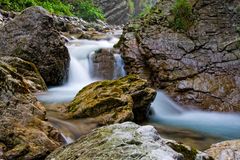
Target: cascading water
[79, 76]
[225, 125]
[119, 66]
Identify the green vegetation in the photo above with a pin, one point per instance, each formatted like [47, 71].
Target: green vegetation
[146, 10]
[53, 6]
[140, 9]
[87, 10]
[81, 8]
[131, 7]
[183, 17]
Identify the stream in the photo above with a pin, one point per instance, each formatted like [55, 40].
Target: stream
[195, 128]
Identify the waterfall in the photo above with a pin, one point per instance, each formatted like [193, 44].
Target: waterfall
[225, 125]
[118, 67]
[79, 75]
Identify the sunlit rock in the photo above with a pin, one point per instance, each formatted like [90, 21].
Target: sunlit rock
[126, 141]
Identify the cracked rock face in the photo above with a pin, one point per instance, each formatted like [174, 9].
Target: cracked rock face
[33, 37]
[124, 141]
[198, 66]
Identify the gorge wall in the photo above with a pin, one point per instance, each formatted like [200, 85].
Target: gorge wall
[116, 11]
[194, 58]
[120, 11]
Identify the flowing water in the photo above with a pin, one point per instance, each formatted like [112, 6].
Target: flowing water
[225, 125]
[79, 68]
[169, 118]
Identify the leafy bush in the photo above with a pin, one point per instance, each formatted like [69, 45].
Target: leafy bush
[131, 7]
[139, 9]
[53, 6]
[81, 8]
[87, 10]
[183, 17]
[146, 10]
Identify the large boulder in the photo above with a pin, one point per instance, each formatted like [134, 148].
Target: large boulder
[191, 50]
[227, 150]
[24, 131]
[113, 101]
[125, 141]
[32, 37]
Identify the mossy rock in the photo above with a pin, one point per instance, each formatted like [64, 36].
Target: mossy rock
[112, 101]
[188, 152]
[28, 70]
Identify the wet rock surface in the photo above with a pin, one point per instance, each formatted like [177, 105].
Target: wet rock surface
[227, 150]
[113, 101]
[24, 131]
[125, 141]
[102, 63]
[33, 37]
[198, 66]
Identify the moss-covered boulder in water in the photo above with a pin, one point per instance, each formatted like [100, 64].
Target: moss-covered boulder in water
[126, 141]
[112, 101]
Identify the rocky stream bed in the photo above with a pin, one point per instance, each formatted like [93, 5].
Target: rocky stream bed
[69, 89]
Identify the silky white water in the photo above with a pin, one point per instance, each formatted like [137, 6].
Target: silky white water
[225, 125]
[79, 76]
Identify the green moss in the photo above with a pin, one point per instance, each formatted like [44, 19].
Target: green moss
[182, 15]
[87, 10]
[189, 154]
